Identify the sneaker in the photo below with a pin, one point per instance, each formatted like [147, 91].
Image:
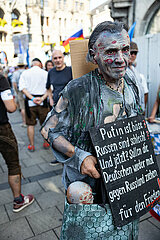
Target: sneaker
[46, 145]
[31, 148]
[23, 125]
[54, 162]
[27, 200]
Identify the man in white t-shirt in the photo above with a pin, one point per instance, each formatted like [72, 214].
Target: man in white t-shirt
[33, 84]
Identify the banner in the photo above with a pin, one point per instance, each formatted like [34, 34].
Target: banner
[21, 43]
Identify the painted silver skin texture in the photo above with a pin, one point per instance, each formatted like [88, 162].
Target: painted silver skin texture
[112, 54]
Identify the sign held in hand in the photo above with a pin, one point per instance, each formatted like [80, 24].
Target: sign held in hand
[128, 167]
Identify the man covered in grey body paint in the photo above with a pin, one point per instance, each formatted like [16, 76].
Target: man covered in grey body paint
[99, 97]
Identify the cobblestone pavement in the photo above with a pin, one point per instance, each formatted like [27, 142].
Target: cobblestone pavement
[42, 220]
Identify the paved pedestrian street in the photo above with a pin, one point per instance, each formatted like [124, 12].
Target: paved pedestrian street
[42, 220]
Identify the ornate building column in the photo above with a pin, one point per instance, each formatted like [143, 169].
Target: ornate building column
[120, 10]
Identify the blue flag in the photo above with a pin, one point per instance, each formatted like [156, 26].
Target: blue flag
[27, 57]
[131, 31]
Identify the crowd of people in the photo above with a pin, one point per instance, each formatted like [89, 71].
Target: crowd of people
[27, 90]
[115, 90]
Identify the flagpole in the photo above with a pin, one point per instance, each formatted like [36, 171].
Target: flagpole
[28, 33]
[134, 8]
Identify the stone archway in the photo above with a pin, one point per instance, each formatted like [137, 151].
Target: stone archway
[148, 18]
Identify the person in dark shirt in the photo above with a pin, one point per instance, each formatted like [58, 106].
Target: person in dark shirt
[9, 147]
[58, 77]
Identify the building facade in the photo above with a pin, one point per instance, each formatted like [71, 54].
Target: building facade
[45, 22]
[100, 14]
[146, 13]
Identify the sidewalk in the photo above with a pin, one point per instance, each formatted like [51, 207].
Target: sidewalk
[42, 220]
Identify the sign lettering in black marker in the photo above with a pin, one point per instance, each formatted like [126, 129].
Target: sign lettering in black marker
[128, 167]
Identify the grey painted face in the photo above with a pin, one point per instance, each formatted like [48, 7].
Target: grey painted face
[112, 53]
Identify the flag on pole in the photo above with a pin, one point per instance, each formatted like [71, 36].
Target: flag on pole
[27, 57]
[77, 36]
[131, 31]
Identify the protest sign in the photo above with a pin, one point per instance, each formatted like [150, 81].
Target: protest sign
[128, 167]
[80, 66]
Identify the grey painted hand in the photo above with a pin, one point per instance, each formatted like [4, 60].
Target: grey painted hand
[88, 167]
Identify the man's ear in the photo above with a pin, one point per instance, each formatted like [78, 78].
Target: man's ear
[94, 59]
[93, 56]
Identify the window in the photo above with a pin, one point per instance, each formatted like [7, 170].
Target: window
[64, 3]
[47, 21]
[5, 35]
[28, 20]
[59, 4]
[42, 3]
[81, 6]
[60, 21]
[0, 36]
[76, 6]
[27, 2]
[45, 3]
[42, 20]
[65, 20]
[15, 14]
[1, 13]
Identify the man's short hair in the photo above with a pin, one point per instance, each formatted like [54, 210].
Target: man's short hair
[36, 60]
[133, 47]
[112, 27]
[57, 50]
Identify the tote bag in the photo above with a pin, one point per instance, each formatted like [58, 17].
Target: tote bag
[91, 221]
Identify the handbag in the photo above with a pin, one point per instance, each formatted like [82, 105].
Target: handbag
[94, 221]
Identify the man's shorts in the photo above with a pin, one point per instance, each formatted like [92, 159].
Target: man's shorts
[21, 100]
[37, 112]
[9, 149]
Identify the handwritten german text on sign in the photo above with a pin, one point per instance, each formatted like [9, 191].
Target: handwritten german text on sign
[128, 166]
